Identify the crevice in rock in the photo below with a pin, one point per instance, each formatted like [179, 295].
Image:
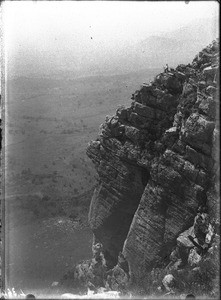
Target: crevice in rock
[114, 229]
[145, 176]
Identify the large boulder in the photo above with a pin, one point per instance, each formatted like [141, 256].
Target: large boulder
[168, 282]
[198, 132]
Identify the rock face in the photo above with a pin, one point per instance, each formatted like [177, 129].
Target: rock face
[157, 165]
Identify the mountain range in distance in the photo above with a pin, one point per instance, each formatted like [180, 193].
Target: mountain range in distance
[172, 48]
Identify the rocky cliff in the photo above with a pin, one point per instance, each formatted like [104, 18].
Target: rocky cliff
[155, 211]
[157, 162]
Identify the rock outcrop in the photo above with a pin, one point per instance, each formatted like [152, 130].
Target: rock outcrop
[157, 164]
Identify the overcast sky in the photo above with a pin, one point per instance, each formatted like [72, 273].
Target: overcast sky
[57, 30]
[38, 22]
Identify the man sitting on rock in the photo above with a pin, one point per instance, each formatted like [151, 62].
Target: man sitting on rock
[97, 251]
[201, 224]
[203, 230]
[97, 269]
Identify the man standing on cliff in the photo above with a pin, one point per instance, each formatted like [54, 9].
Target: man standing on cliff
[166, 70]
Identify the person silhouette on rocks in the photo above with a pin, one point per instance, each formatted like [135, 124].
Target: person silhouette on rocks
[166, 70]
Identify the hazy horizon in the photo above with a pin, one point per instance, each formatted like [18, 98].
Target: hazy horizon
[89, 38]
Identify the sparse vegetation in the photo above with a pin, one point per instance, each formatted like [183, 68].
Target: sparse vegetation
[48, 174]
[46, 138]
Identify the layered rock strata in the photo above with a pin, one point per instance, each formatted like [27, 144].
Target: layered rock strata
[157, 164]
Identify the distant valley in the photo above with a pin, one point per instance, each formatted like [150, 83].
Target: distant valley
[49, 123]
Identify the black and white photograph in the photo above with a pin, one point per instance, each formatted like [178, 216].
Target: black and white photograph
[110, 150]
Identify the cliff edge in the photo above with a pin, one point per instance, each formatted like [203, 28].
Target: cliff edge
[155, 211]
[157, 162]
